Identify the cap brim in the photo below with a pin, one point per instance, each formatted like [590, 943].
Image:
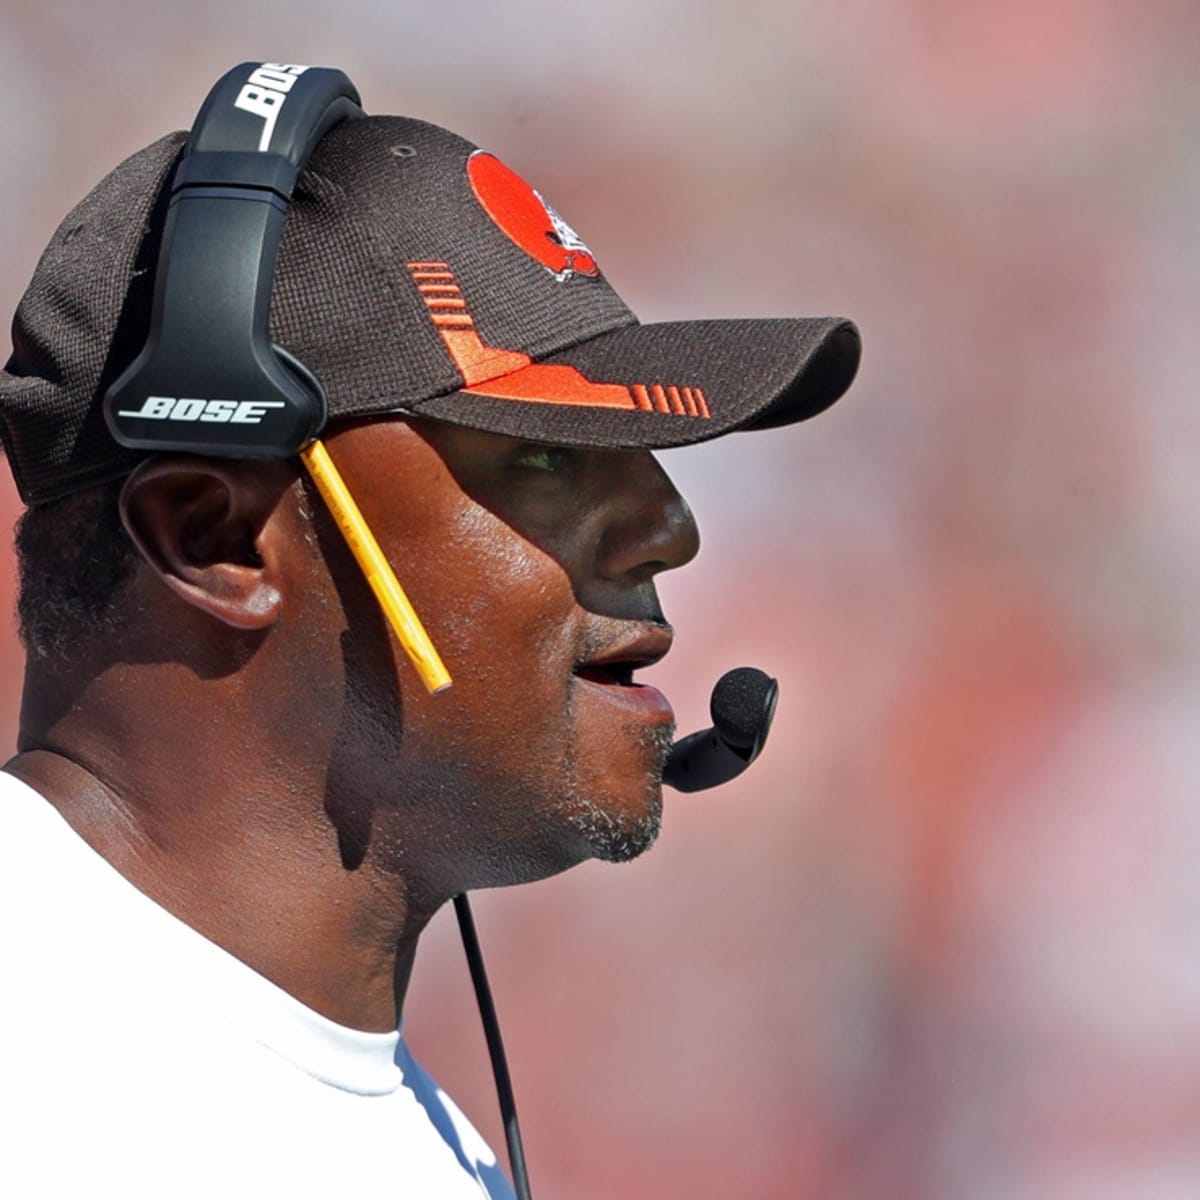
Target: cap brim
[670, 384]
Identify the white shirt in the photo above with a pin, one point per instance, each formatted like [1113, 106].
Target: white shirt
[139, 1059]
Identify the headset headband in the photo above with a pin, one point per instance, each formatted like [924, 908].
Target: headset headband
[209, 380]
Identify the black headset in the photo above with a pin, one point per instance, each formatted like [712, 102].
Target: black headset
[209, 380]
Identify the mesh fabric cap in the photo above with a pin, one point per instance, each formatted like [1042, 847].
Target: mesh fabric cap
[416, 274]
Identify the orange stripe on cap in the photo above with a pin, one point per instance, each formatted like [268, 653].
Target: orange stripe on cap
[476, 361]
[552, 383]
[502, 374]
[702, 404]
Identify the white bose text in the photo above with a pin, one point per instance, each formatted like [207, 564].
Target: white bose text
[264, 93]
[214, 412]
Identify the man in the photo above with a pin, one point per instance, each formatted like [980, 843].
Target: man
[234, 805]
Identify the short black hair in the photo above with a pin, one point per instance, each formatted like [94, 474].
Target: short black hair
[73, 559]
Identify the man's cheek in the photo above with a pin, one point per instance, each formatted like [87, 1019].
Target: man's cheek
[525, 619]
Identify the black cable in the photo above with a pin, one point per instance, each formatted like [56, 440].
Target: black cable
[491, 1030]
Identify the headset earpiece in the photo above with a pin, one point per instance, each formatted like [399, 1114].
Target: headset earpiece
[209, 380]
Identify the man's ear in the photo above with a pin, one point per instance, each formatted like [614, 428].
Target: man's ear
[204, 525]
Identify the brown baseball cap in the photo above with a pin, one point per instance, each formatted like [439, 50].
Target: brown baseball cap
[417, 274]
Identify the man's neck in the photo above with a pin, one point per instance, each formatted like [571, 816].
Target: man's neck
[220, 854]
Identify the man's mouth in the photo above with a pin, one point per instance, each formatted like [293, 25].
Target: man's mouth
[618, 674]
[612, 669]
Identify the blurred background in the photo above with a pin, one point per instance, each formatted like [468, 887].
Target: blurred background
[941, 941]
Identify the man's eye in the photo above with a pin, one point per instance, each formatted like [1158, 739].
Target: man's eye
[542, 458]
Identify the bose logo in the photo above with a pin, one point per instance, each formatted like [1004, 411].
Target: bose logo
[214, 412]
[264, 92]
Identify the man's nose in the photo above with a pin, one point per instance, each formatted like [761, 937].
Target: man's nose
[650, 526]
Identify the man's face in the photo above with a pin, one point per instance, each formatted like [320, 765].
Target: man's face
[532, 568]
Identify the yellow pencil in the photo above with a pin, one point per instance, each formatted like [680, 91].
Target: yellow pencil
[396, 607]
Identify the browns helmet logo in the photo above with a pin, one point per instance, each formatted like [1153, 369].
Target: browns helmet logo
[527, 219]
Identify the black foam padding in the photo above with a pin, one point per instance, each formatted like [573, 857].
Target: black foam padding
[742, 705]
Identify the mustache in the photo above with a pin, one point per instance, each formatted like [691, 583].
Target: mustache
[601, 632]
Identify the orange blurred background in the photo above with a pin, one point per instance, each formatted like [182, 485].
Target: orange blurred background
[940, 941]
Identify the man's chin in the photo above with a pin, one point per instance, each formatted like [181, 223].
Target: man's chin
[621, 831]
[619, 838]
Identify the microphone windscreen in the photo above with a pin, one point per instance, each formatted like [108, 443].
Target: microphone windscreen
[742, 704]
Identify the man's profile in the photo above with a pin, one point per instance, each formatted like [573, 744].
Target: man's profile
[234, 806]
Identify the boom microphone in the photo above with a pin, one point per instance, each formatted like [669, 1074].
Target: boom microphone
[742, 707]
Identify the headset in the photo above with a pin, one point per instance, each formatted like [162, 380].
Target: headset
[210, 381]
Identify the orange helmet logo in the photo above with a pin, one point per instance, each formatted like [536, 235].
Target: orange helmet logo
[527, 219]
